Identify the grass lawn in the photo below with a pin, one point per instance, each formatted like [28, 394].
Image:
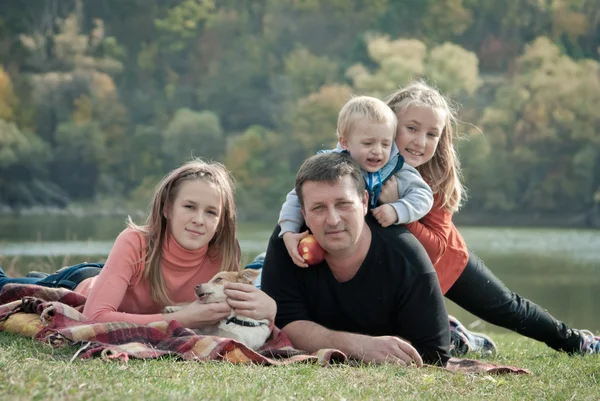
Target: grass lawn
[30, 370]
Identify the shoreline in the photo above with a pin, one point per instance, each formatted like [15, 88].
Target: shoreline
[464, 218]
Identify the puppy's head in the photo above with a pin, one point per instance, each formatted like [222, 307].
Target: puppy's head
[214, 290]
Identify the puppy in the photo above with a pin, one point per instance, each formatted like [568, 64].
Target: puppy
[253, 333]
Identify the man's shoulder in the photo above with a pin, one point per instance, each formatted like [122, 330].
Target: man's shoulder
[395, 235]
[401, 247]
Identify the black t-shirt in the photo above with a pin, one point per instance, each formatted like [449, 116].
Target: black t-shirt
[395, 292]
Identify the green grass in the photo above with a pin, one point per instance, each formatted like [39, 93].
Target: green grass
[30, 370]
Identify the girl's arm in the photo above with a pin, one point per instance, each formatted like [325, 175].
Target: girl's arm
[125, 261]
[433, 231]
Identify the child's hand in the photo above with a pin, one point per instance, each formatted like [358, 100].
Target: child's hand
[389, 192]
[291, 241]
[385, 214]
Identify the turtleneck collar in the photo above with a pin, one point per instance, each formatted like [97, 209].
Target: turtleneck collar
[178, 256]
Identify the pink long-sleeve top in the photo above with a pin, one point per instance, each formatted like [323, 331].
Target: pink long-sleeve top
[119, 292]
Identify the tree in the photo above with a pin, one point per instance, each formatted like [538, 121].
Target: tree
[79, 147]
[257, 159]
[450, 67]
[314, 121]
[544, 120]
[309, 72]
[193, 134]
[23, 162]
[8, 100]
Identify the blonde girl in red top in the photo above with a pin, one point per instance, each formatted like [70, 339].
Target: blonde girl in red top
[424, 138]
[189, 236]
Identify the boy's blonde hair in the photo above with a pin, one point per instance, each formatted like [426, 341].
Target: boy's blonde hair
[223, 246]
[361, 107]
[443, 170]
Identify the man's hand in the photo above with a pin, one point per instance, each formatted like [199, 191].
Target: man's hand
[311, 337]
[247, 300]
[385, 214]
[387, 349]
[389, 192]
[291, 241]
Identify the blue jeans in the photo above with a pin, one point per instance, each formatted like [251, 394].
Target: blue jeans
[257, 264]
[68, 277]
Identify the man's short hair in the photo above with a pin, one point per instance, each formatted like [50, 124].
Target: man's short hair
[329, 167]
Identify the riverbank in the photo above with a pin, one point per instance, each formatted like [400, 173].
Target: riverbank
[464, 218]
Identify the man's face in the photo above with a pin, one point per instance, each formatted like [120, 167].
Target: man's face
[335, 213]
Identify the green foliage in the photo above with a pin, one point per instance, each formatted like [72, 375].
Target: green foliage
[193, 134]
[20, 148]
[542, 130]
[130, 73]
[314, 121]
[309, 72]
[183, 22]
[78, 151]
[24, 159]
[258, 161]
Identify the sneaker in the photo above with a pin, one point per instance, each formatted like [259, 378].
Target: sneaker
[590, 344]
[477, 342]
[459, 344]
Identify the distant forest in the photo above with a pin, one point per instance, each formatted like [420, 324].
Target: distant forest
[100, 98]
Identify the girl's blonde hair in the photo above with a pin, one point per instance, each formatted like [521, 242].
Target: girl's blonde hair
[223, 245]
[443, 170]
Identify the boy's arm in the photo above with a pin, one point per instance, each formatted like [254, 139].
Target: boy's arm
[290, 217]
[416, 197]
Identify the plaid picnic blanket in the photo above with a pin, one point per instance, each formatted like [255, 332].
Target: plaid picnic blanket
[53, 315]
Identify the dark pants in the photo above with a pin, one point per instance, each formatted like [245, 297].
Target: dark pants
[481, 293]
[68, 277]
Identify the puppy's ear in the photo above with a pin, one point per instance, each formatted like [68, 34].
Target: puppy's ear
[249, 274]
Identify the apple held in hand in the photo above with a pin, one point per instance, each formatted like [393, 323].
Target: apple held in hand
[310, 250]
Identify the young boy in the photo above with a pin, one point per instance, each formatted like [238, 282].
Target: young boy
[366, 129]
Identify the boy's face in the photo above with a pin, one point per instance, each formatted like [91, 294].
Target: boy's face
[369, 144]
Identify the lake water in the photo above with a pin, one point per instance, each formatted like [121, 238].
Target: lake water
[556, 268]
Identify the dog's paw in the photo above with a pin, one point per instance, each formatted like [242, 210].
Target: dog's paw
[171, 309]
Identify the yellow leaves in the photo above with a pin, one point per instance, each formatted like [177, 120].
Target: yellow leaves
[570, 23]
[381, 47]
[541, 50]
[8, 100]
[103, 86]
[448, 17]
[246, 156]
[315, 119]
[83, 112]
[452, 68]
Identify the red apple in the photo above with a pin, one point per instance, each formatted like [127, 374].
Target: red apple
[310, 250]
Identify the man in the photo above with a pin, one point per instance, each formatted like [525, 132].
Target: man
[376, 296]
